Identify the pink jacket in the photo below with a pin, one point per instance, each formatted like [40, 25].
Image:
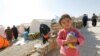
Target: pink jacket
[65, 50]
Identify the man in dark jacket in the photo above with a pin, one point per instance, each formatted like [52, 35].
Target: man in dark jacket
[44, 31]
[9, 34]
[94, 20]
[15, 32]
[85, 19]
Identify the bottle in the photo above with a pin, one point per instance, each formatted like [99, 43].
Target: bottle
[71, 44]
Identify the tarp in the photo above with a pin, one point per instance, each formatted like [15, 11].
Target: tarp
[35, 24]
[2, 30]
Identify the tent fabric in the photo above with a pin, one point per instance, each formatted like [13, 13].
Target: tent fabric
[3, 42]
[2, 30]
[35, 24]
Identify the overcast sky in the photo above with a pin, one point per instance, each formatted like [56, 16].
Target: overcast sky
[14, 12]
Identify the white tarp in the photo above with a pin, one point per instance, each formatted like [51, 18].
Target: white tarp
[2, 31]
[34, 27]
[21, 30]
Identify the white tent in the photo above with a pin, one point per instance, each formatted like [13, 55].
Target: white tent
[2, 30]
[21, 29]
[34, 27]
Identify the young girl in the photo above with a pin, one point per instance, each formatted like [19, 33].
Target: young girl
[63, 39]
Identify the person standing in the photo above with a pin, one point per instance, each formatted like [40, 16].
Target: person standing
[9, 34]
[85, 19]
[94, 20]
[15, 32]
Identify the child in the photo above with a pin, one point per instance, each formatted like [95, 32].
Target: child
[63, 39]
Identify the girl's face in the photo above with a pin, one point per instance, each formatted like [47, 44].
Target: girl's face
[66, 23]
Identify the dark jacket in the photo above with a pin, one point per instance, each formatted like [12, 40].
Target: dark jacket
[15, 31]
[85, 18]
[44, 29]
[94, 18]
[9, 34]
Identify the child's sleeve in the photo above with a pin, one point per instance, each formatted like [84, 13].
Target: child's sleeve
[60, 40]
[80, 38]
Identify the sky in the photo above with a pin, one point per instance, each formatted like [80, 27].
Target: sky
[14, 12]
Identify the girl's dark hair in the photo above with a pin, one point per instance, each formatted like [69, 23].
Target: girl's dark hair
[63, 17]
